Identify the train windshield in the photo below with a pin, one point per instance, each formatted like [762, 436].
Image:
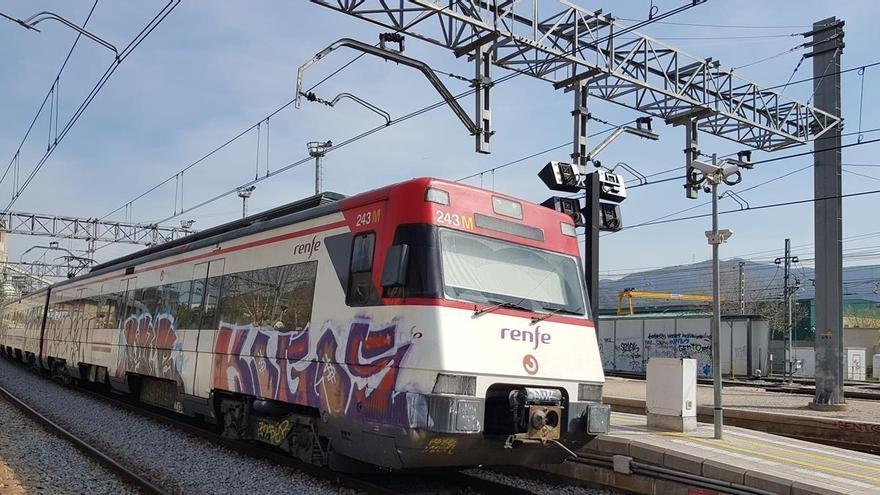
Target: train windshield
[489, 271]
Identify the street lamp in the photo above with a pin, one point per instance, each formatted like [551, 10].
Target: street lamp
[317, 149]
[726, 171]
[244, 193]
[39, 17]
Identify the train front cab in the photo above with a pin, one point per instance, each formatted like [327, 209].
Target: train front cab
[512, 354]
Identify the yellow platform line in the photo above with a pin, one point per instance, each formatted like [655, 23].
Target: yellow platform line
[819, 467]
[835, 460]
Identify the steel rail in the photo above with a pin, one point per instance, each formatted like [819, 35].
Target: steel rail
[362, 483]
[198, 429]
[114, 466]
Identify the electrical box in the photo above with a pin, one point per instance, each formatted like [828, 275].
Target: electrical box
[672, 394]
[855, 364]
[875, 372]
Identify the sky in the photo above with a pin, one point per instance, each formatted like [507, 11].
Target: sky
[214, 69]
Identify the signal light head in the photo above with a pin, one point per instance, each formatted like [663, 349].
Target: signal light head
[563, 177]
[569, 206]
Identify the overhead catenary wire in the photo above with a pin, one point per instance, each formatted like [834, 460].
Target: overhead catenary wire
[17, 154]
[102, 81]
[512, 75]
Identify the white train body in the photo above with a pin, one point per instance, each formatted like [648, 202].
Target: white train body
[387, 328]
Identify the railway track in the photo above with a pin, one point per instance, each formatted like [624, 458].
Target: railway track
[380, 484]
[124, 472]
[448, 482]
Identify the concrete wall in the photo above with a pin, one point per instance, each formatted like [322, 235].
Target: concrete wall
[626, 343]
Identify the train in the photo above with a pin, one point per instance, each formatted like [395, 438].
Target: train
[425, 324]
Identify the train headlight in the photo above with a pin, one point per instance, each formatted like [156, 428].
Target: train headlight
[590, 392]
[438, 196]
[455, 384]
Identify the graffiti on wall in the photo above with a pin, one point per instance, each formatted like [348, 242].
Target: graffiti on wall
[695, 346]
[628, 355]
[659, 345]
[150, 346]
[351, 371]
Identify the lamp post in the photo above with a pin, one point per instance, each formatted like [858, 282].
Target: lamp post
[317, 149]
[728, 172]
[244, 193]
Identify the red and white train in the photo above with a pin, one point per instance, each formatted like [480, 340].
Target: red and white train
[422, 324]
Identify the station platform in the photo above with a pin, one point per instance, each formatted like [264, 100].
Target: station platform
[856, 427]
[758, 460]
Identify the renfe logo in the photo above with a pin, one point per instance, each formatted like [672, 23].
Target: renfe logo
[534, 336]
[310, 247]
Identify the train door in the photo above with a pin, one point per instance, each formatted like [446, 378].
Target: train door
[125, 303]
[207, 278]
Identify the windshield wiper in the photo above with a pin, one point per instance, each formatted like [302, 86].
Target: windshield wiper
[538, 319]
[496, 305]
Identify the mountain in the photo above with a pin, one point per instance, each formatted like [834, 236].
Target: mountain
[761, 281]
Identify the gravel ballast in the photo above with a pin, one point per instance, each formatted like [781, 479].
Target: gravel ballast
[176, 460]
[35, 461]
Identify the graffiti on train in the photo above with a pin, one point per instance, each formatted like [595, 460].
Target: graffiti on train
[149, 345]
[352, 370]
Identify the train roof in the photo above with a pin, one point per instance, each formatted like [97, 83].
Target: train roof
[297, 211]
[288, 210]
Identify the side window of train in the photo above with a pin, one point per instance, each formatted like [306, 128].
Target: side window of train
[360, 283]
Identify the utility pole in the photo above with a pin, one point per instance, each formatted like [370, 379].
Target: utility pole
[579, 156]
[716, 311]
[318, 150]
[788, 291]
[742, 288]
[827, 43]
[244, 193]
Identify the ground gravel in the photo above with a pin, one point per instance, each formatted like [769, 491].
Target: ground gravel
[541, 486]
[34, 461]
[178, 461]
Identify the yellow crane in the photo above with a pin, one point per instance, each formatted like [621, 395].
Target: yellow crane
[631, 294]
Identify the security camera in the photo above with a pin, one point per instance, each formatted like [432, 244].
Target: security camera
[729, 168]
[723, 236]
[706, 168]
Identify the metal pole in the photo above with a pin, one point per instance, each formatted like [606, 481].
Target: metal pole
[742, 288]
[716, 314]
[581, 116]
[243, 206]
[827, 36]
[318, 172]
[591, 247]
[789, 358]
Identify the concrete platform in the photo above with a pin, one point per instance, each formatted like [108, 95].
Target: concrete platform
[758, 409]
[759, 460]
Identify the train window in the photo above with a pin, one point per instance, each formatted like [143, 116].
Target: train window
[360, 283]
[152, 300]
[212, 295]
[279, 297]
[176, 301]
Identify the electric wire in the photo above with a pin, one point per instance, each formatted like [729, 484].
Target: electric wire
[135, 42]
[17, 154]
[514, 73]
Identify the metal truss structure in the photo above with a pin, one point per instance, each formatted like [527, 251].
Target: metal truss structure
[43, 271]
[570, 46]
[88, 229]
[24, 279]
